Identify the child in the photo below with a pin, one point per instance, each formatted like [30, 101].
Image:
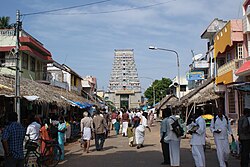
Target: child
[117, 126]
[130, 134]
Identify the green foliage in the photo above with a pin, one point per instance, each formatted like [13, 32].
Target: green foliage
[4, 22]
[160, 88]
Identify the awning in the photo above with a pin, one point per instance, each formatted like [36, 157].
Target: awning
[242, 86]
[245, 68]
[31, 98]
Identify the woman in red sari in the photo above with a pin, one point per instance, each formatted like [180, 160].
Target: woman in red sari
[44, 134]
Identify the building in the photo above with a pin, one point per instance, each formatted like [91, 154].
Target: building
[124, 88]
[173, 88]
[243, 86]
[228, 56]
[57, 75]
[33, 56]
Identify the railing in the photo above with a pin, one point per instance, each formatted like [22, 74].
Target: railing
[232, 65]
[59, 84]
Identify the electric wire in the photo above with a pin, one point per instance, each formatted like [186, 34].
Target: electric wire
[110, 11]
[66, 8]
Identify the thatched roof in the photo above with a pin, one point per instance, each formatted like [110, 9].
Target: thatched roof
[46, 93]
[201, 94]
[168, 100]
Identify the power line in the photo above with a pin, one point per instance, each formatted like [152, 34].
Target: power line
[110, 11]
[66, 8]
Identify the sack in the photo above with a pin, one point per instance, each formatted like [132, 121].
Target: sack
[178, 130]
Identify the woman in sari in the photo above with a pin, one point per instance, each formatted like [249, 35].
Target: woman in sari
[44, 134]
[61, 130]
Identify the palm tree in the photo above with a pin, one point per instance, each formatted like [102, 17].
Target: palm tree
[4, 22]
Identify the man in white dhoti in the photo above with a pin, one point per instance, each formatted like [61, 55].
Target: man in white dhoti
[174, 143]
[198, 131]
[220, 127]
[140, 126]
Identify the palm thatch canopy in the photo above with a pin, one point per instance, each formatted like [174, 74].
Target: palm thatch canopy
[201, 94]
[169, 100]
[46, 93]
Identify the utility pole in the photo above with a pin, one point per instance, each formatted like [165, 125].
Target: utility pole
[17, 78]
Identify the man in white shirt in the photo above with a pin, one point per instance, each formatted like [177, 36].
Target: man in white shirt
[174, 142]
[33, 130]
[220, 127]
[198, 139]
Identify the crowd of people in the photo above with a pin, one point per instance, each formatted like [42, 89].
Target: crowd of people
[128, 123]
[131, 124]
[220, 127]
[15, 136]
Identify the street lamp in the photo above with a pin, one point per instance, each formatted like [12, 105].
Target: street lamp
[152, 86]
[178, 66]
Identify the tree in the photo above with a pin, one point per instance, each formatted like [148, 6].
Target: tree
[4, 22]
[160, 87]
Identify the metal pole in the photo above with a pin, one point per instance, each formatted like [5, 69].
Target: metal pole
[17, 78]
[178, 66]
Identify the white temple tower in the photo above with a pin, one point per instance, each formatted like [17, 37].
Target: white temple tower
[124, 88]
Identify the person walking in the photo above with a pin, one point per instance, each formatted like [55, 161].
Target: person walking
[86, 130]
[163, 133]
[244, 137]
[125, 121]
[174, 142]
[220, 127]
[198, 131]
[140, 124]
[100, 125]
[12, 140]
[61, 130]
[130, 133]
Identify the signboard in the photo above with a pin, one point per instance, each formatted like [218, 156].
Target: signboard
[201, 64]
[197, 75]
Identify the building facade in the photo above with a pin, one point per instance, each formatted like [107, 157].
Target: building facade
[124, 88]
[229, 55]
[34, 57]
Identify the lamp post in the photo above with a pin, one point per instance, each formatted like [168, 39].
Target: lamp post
[152, 86]
[178, 66]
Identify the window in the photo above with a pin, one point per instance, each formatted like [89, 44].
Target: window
[183, 88]
[228, 58]
[25, 61]
[239, 51]
[32, 64]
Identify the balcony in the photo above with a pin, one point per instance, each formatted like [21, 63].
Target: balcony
[59, 84]
[225, 73]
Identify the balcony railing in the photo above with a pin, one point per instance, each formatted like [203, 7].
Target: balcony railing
[232, 65]
[59, 84]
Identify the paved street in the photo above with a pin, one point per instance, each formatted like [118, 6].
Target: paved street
[117, 153]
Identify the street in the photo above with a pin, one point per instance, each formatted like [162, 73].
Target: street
[118, 153]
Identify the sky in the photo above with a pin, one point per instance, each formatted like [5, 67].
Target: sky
[84, 38]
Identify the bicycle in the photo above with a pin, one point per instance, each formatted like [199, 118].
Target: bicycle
[50, 155]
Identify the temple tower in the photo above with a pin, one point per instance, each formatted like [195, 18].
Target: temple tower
[124, 88]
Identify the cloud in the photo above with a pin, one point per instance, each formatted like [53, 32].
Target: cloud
[86, 42]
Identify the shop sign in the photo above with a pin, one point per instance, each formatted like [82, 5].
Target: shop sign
[201, 64]
[197, 75]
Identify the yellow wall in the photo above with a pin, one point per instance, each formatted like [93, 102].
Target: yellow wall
[225, 78]
[222, 39]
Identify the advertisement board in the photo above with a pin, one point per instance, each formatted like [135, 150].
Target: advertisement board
[201, 64]
[197, 75]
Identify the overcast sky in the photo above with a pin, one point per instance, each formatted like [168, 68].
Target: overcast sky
[84, 38]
